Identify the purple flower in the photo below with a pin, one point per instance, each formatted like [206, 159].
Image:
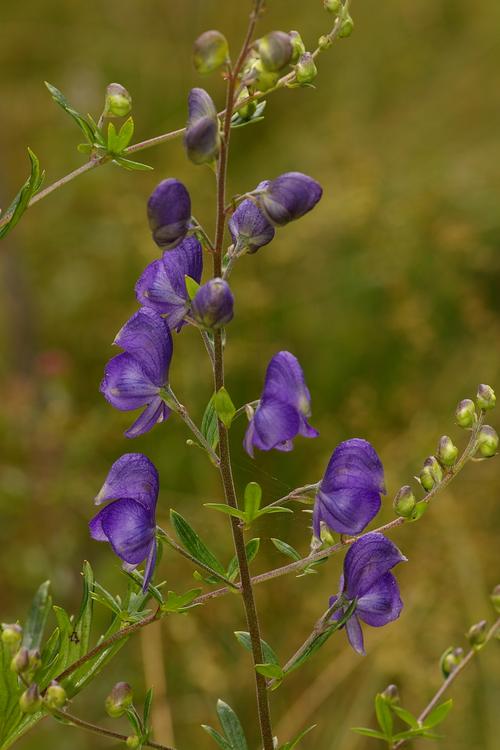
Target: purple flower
[169, 213]
[284, 405]
[162, 285]
[212, 305]
[135, 378]
[349, 494]
[368, 580]
[288, 197]
[128, 523]
[202, 138]
[249, 227]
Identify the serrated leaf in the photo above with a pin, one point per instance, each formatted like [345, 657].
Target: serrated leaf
[132, 166]
[252, 499]
[215, 735]
[209, 425]
[438, 714]
[194, 545]
[224, 407]
[272, 671]
[251, 547]
[192, 286]
[286, 549]
[367, 732]
[85, 126]
[384, 716]
[293, 743]
[23, 197]
[37, 617]
[232, 726]
[405, 716]
[244, 639]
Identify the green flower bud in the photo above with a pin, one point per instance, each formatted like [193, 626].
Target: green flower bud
[11, 634]
[298, 46]
[346, 27]
[55, 696]
[133, 742]
[495, 598]
[333, 6]
[262, 79]
[30, 701]
[391, 694]
[404, 502]
[431, 473]
[210, 51]
[487, 441]
[118, 102]
[247, 110]
[119, 699]
[35, 660]
[486, 398]
[466, 413]
[306, 70]
[450, 660]
[476, 634]
[275, 50]
[21, 661]
[324, 42]
[446, 452]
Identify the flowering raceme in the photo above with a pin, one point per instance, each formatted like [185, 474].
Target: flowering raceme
[348, 496]
[128, 522]
[136, 378]
[368, 581]
[284, 405]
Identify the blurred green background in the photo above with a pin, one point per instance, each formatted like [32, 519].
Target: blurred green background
[387, 293]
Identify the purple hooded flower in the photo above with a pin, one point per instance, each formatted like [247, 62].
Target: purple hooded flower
[202, 137]
[249, 227]
[288, 197]
[212, 305]
[169, 213]
[368, 580]
[349, 494]
[162, 285]
[135, 378]
[284, 405]
[128, 523]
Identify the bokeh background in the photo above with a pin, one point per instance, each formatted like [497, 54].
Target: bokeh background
[387, 293]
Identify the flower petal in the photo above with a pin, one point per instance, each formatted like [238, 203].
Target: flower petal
[156, 411]
[354, 463]
[275, 422]
[348, 511]
[150, 565]
[133, 476]
[126, 384]
[147, 337]
[381, 603]
[129, 528]
[369, 558]
[249, 227]
[285, 381]
[355, 635]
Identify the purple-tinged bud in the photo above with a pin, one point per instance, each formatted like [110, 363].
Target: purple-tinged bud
[35, 659]
[11, 634]
[495, 598]
[275, 50]
[133, 742]
[486, 398]
[288, 197]
[346, 27]
[210, 51]
[447, 452]
[391, 695]
[202, 137]
[450, 660]
[260, 78]
[169, 213]
[333, 6]
[118, 102]
[476, 634]
[466, 413]
[21, 661]
[298, 46]
[404, 502]
[119, 699]
[487, 441]
[212, 305]
[306, 70]
[55, 696]
[30, 701]
[250, 228]
[431, 473]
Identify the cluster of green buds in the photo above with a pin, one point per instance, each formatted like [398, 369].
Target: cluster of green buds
[271, 57]
[466, 416]
[339, 10]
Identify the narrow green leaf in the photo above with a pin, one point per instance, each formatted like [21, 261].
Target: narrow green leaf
[367, 732]
[223, 508]
[384, 715]
[148, 702]
[286, 549]
[85, 126]
[179, 602]
[125, 134]
[209, 425]
[438, 714]
[269, 655]
[214, 734]
[252, 499]
[132, 166]
[252, 547]
[293, 743]
[224, 407]
[273, 509]
[134, 722]
[192, 542]
[231, 726]
[37, 617]
[272, 671]
[405, 716]
[23, 197]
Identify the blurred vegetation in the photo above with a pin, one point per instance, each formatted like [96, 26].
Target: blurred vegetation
[387, 293]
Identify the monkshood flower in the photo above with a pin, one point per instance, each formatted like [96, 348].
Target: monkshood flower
[128, 522]
[212, 305]
[288, 197]
[367, 580]
[162, 285]
[202, 137]
[250, 228]
[136, 378]
[284, 405]
[169, 213]
[348, 496]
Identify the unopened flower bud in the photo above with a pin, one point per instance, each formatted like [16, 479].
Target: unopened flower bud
[30, 701]
[431, 473]
[55, 696]
[476, 634]
[119, 699]
[169, 213]
[466, 413]
[210, 51]
[212, 305]
[246, 110]
[298, 46]
[11, 634]
[485, 398]
[202, 137]
[391, 694]
[275, 50]
[288, 197]
[324, 42]
[35, 659]
[487, 441]
[447, 452]
[118, 102]
[20, 661]
[262, 79]
[250, 229]
[346, 27]
[404, 502]
[495, 598]
[332, 6]
[306, 70]
[133, 742]
[450, 660]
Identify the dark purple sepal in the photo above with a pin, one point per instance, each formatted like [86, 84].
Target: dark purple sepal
[202, 137]
[288, 197]
[249, 228]
[212, 306]
[169, 213]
